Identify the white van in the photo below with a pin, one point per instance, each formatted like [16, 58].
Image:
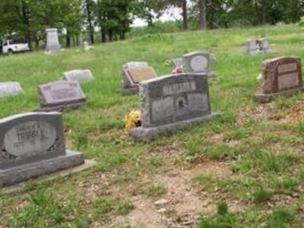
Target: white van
[11, 46]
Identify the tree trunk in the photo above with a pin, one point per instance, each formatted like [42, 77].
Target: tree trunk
[202, 14]
[26, 21]
[89, 18]
[68, 39]
[185, 15]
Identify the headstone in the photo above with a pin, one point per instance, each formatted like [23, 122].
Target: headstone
[177, 62]
[32, 145]
[260, 46]
[170, 103]
[280, 76]
[197, 62]
[61, 95]
[265, 46]
[78, 76]
[86, 46]
[10, 89]
[52, 40]
[135, 73]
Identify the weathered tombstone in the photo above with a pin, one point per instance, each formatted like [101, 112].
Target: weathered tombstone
[170, 103]
[251, 47]
[177, 62]
[10, 89]
[86, 46]
[265, 46]
[280, 76]
[78, 76]
[52, 40]
[32, 145]
[260, 46]
[134, 73]
[61, 95]
[197, 62]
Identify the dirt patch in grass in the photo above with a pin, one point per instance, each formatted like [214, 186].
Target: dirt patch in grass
[293, 115]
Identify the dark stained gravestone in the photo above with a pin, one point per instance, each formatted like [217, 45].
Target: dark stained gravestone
[134, 73]
[52, 40]
[61, 95]
[78, 76]
[32, 145]
[198, 62]
[172, 102]
[10, 89]
[280, 76]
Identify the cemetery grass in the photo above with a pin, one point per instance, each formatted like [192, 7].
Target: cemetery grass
[244, 169]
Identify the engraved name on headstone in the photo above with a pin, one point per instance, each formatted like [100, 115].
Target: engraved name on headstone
[32, 145]
[10, 89]
[172, 102]
[61, 95]
[78, 76]
[280, 76]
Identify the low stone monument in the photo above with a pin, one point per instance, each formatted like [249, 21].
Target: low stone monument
[32, 145]
[198, 62]
[170, 103]
[134, 73]
[60, 96]
[260, 46]
[280, 77]
[52, 40]
[78, 76]
[87, 47]
[10, 89]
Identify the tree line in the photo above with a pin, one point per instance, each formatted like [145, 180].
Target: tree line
[113, 18]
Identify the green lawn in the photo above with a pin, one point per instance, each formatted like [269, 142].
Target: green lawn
[244, 169]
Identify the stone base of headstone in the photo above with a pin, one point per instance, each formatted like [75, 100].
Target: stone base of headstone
[148, 134]
[33, 170]
[266, 98]
[130, 91]
[62, 107]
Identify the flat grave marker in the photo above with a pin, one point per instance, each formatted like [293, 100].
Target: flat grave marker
[10, 89]
[60, 96]
[78, 76]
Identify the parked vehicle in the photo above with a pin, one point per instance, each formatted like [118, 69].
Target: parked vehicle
[10, 46]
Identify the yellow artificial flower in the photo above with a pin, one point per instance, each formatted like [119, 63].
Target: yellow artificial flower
[132, 120]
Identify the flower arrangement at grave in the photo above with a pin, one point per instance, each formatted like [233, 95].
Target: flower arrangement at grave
[132, 120]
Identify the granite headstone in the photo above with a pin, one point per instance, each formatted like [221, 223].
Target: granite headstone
[280, 76]
[133, 73]
[78, 76]
[172, 102]
[197, 62]
[60, 96]
[32, 145]
[52, 40]
[10, 89]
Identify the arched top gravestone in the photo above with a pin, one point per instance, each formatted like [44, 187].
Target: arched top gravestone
[33, 145]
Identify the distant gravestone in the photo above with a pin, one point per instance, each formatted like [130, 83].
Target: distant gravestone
[177, 62]
[172, 102]
[135, 73]
[260, 46]
[78, 76]
[280, 76]
[197, 62]
[52, 40]
[10, 89]
[61, 95]
[32, 145]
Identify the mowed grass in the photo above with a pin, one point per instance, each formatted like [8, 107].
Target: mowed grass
[262, 145]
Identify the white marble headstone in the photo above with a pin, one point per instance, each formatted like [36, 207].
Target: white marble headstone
[78, 76]
[52, 40]
[10, 89]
